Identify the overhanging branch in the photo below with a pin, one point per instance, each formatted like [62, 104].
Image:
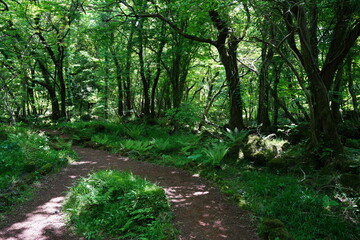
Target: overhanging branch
[6, 8]
[176, 28]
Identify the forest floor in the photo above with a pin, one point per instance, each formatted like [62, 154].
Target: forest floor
[200, 210]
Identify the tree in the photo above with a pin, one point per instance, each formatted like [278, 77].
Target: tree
[226, 42]
[311, 22]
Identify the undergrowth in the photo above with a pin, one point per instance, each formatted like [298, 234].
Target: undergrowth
[306, 211]
[25, 157]
[118, 205]
[269, 180]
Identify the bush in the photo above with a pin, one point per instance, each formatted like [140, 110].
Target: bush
[26, 156]
[112, 204]
[215, 154]
[186, 116]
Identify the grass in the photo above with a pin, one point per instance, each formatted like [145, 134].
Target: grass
[25, 157]
[306, 213]
[319, 207]
[118, 205]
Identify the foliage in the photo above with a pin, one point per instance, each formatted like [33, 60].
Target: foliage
[215, 154]
[187, 115]
[94, 60]
[139, 147]
[236, 137]
[25, 156]
[135, 132]
[267, 192]
[112, 204]
[298, 206]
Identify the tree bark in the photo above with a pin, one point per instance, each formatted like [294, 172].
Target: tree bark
[322, 122]
[128, 64]
[263, 101]
[55, 109]
[336, 96]
[351, 87]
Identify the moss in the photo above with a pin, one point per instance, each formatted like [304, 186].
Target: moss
[30, 167]
[82, 138]
[279, 234]
[279, 163]
[29, 178]
[47, 168]
[299, 133]
[259, 159]
[272, 223]
[259, 151]
[338, 164]
[56, 146]
[273, 229]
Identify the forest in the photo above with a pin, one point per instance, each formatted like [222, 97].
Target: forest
[261, 98]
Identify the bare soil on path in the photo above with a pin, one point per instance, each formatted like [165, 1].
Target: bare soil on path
[200, 210]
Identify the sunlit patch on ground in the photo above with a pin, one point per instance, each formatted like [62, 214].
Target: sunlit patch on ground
[38, 223]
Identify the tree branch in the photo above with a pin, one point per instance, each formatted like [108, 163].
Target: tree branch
[6, 8]
[176, 28]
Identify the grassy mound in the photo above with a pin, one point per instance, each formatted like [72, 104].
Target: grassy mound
[118, 205]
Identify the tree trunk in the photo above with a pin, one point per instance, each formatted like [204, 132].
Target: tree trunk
[325, 135]
[60, 75]
[128, 63]
[263, 103]
[336, 97]
[55, 109]
[277, 73]
[157, 76]
[351, 87]
[229, 60]
[144, 78]
[324, 125]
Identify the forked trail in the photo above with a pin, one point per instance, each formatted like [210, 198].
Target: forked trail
[200, 210]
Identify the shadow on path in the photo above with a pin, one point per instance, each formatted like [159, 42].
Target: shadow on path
[200, 211]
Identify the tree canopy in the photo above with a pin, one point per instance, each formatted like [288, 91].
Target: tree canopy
[232, 64]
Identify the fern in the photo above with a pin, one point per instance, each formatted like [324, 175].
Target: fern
[137, 146]
[236, 136]
[215, 153]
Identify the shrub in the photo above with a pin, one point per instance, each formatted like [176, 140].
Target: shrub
[215, 153]
[187, 115]
[26, 156]
[112, 204]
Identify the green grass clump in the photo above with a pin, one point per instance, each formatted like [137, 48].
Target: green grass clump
[118, 205]
[25, 156]
[318, 207]
[306, 213]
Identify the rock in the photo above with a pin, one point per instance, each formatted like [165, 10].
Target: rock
[271, 223]
[274, 229]
[279, 163]
[279, 234]
[30, 167]
[47, 168]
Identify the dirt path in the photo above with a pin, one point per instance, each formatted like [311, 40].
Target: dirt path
[200, 211]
